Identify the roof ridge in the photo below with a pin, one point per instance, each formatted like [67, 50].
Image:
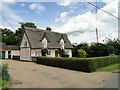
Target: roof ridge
[31, 28]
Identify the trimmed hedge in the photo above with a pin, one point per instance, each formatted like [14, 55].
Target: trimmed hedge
[80, 64]
[16, 57]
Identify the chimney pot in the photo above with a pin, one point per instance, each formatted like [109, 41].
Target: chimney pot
[48, 28]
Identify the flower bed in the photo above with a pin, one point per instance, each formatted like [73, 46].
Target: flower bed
[5, 76]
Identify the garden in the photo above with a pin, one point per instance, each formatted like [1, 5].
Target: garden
[4, 76]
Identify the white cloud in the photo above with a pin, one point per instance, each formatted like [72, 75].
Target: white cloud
[22, 4]
[107, 1]
[63, 17]
[37, 6]
[10, 15]
[64, 3]
[72, 11]
[82, 27]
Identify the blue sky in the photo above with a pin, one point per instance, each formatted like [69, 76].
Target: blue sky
[74, 18]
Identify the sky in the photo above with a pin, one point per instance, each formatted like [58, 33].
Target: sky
[76, 19]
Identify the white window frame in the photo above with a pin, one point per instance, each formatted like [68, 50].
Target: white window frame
[62, 44]
[37, 53]
[25, 43]
[44, 44]
[49, 53]
[67, 52]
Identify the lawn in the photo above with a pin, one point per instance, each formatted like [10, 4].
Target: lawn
[110, 68]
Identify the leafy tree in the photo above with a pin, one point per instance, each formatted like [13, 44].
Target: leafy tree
[113, 46]
[13, 38]
[75, 52]
[83, 46]
[44, 52]
[61, 51]
[8, 37]
[29, 24]
[82, 53]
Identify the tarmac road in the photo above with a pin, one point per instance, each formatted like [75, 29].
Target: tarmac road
[112, 82]
[32, 75]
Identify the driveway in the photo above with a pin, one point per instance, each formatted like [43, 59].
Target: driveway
[32, 75]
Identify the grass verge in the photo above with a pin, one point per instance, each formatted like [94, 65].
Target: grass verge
[110, 67]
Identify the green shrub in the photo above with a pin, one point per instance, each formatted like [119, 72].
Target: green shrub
[44, 52]
[82, 53]
[16, 57]
[5, 66]
[5, 76]
[81, 64]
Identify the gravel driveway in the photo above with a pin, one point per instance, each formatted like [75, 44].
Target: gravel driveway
[32, 75]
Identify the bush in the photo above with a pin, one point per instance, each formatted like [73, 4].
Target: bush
[5, 75]
[82, 53]
[44, 52]
[81, 64]
[16, 57]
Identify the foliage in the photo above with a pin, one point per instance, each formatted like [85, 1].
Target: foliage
[62, 53]
[44, 52]
[83, 46]
[5, 66]
[8, 37]
[13, 38]
[81, 64]
[16, 57]
[98, 49]
[30, 24]
[82, 53]
[110, 68]
[113, 46]
[110, 47]
[5, 75]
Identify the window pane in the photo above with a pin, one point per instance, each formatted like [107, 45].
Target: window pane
[45, 44]
[25, 43]
[35, 53]
[49, 53]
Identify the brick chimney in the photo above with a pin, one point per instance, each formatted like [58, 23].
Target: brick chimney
[48, 28]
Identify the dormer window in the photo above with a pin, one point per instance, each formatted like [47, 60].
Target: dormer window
[25, 43]
[62, 44]
[44, 44]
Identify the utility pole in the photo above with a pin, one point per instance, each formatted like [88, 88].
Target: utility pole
[97, 34]
[96, 23]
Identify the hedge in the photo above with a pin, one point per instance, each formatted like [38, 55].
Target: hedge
[16, 57]
[81, 64]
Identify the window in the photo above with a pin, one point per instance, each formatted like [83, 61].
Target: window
[44, 44]
[67, 52]
[37, 53]
[25, 43]
[49, 53]
[27, 53]
[62, 44]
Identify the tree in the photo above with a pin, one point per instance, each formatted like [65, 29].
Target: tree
[30, 24]
[8, 37]
[44, 52]
[83, 46]
[98, 49]
[13, 38]
[61, 52]
[113, 46]
[82, 53]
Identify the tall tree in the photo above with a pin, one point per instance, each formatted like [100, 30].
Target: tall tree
[11, 38]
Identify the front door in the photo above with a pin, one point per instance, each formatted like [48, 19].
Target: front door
[56, 53]
[9, 54]
[3, 54]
